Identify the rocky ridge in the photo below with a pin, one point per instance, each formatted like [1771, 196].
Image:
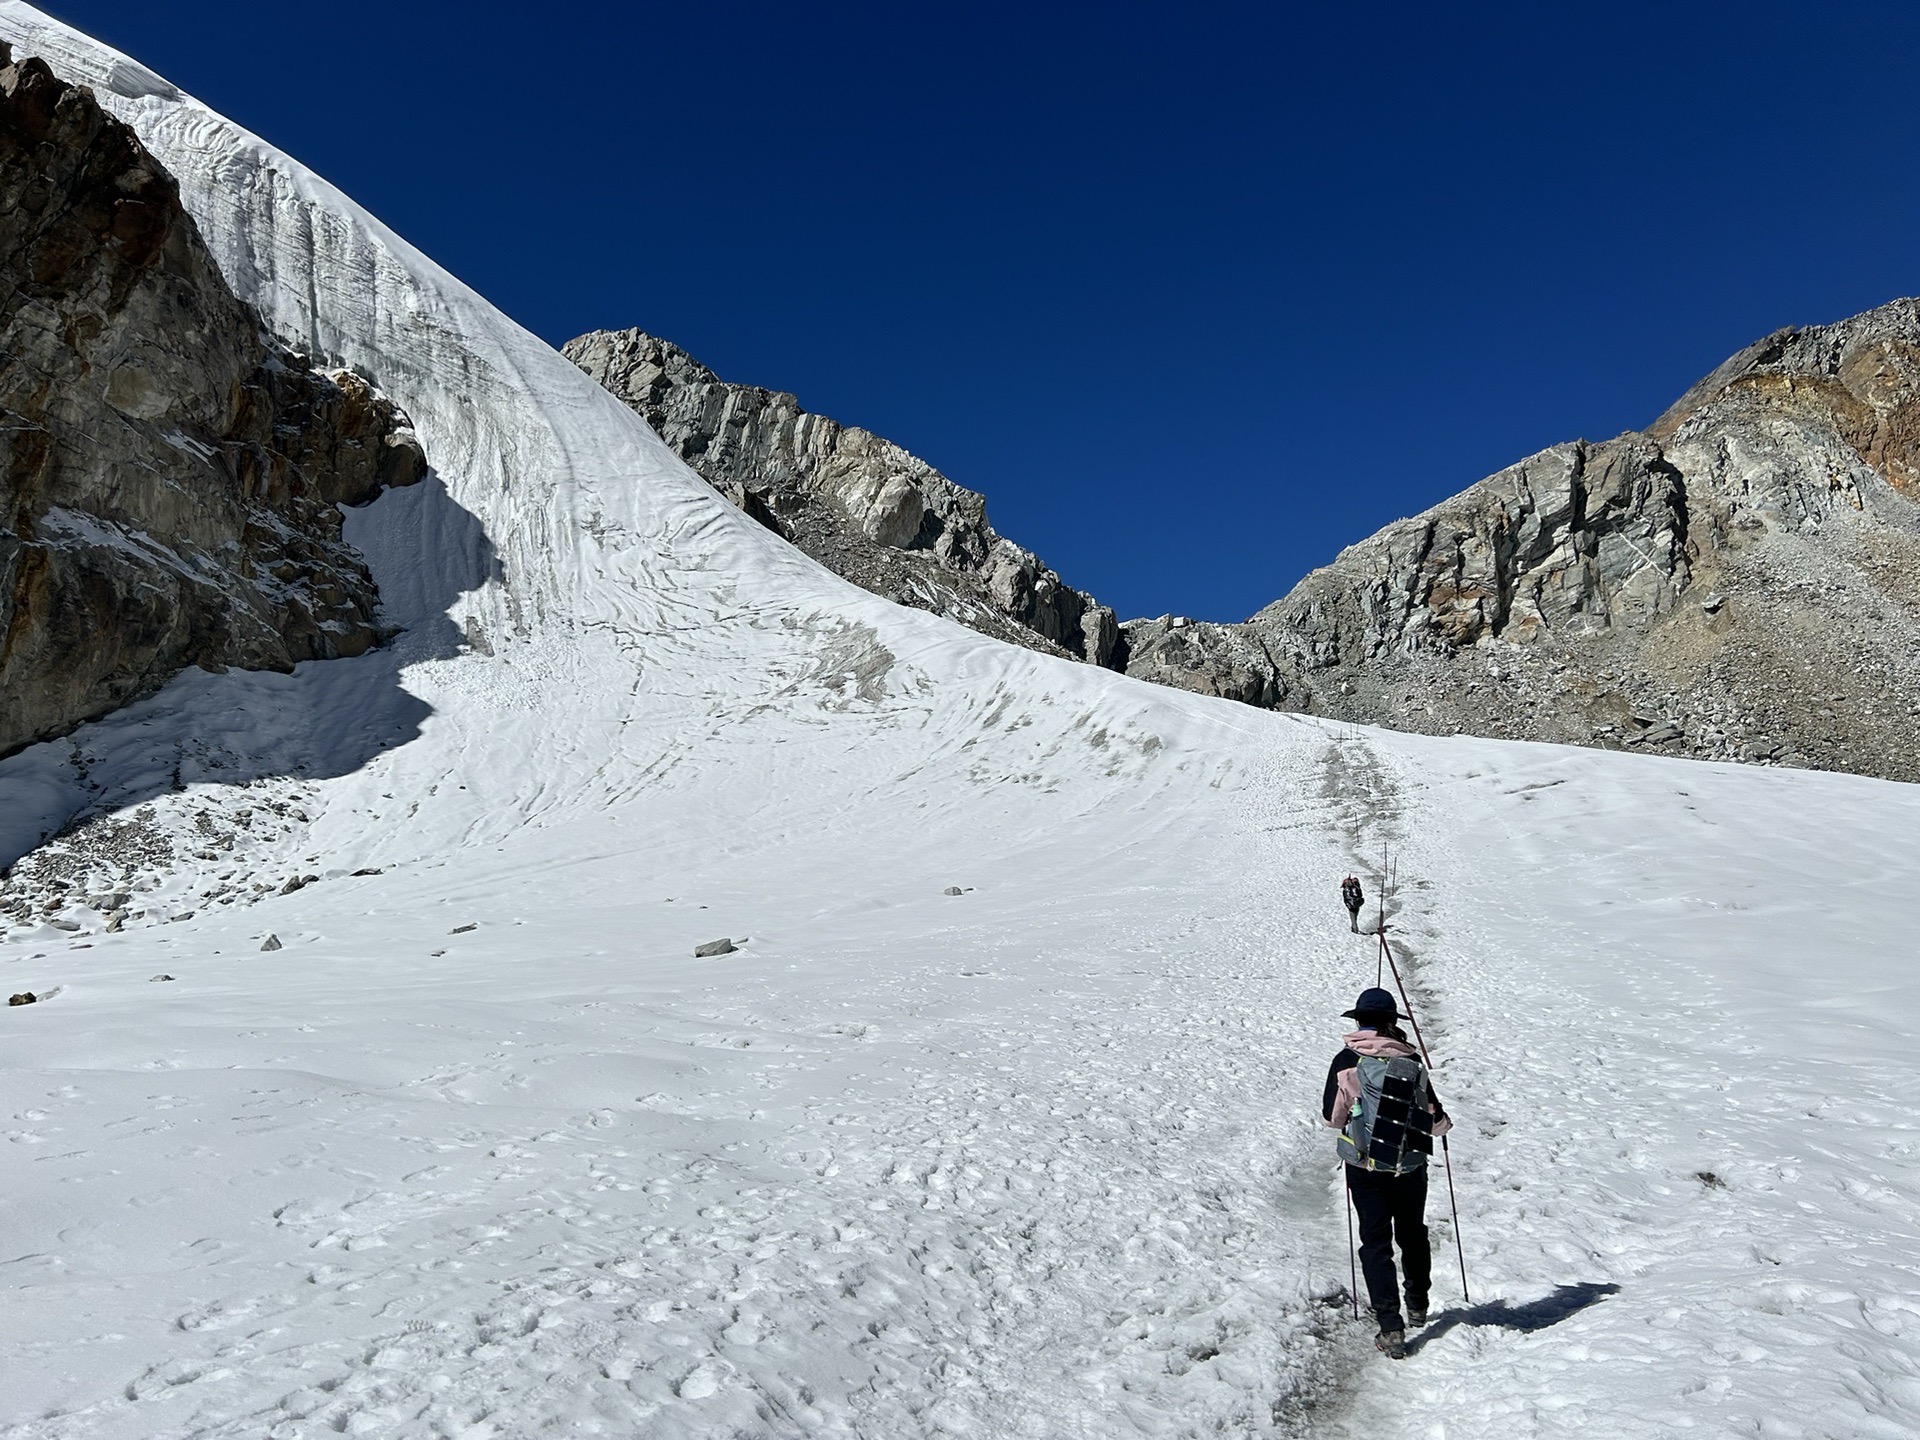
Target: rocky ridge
[171, 477]
[861, 505]
[1740, 581]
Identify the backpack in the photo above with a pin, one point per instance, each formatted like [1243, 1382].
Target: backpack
[1390, 1127]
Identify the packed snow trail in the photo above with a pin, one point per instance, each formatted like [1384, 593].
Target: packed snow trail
[1672, 998]
[482, 1150]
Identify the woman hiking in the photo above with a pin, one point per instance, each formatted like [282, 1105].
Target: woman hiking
[1378, 1097]
[1353, 897]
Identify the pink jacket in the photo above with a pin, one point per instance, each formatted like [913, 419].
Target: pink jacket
[1347, 1087]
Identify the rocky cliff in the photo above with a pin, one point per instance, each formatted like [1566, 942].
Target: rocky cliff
[1740, 581]
[860, 505]
[170, 477]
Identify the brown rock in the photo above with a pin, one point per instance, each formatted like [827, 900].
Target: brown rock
[169, 481]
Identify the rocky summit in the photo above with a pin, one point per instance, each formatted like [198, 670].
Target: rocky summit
[1739, 581]
[170, 476]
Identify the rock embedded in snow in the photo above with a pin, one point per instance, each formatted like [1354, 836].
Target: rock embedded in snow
[157, 979]
[953, 890]
[722, 946]
[25, 997]
[272, 942]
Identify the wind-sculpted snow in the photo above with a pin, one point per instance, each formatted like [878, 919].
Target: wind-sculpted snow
[482, 1149]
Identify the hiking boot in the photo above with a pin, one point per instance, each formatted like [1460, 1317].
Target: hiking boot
[1416, 1314]
[1392, 1344]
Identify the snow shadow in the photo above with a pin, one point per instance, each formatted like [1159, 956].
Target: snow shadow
[1565, 1301]
[328, 718]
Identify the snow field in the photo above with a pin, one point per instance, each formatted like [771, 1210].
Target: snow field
[908, 1162]
[1036, 1160]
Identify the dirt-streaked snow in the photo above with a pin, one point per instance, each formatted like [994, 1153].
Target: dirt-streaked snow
[483, 1150]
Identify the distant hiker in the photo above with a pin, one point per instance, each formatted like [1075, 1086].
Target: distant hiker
[1354, 897]
[1379, 1099]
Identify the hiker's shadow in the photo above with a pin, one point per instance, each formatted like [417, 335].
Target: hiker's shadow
[1534, 1315]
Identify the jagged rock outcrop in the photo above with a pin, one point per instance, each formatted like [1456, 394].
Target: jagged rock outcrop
[1739, 581]
[859, 504]
[1576, 539]
[170, 477]
[1230, 661]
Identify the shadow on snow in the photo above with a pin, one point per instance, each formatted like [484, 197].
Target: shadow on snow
[328, 718]
[1565, 1301]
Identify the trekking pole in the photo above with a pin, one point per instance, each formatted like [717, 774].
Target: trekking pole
[1353, 1260]
[1380, 910]
[1459, 1249]
[1386, 955]
[1446, 1155]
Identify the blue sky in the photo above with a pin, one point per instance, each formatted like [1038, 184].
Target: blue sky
[1194, 295]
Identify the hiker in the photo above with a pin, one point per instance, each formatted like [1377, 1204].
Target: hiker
[1354, 897]
[1379, 1099]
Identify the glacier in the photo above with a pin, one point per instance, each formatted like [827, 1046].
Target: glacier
[483, 1150]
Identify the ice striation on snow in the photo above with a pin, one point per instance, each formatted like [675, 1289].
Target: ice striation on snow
[481, 1149]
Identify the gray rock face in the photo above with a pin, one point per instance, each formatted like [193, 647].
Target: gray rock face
[859, 504]
[169, 476]
[1230, 661]
[1577, 539]
[1741, 581]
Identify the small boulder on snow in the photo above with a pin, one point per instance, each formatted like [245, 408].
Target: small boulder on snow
[272, 942]
[25, 997]
[954, 890]
[722, 946]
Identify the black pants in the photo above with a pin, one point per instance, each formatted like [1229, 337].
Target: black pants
[1389, 1208]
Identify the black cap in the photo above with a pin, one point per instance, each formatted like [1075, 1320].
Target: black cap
[1373, 1002]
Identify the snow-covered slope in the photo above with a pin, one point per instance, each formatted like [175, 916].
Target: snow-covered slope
[483, 1150]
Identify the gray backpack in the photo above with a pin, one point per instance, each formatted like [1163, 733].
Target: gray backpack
[1389, 1127]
